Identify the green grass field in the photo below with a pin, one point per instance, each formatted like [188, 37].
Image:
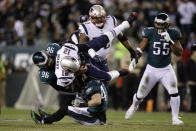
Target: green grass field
[19, 120]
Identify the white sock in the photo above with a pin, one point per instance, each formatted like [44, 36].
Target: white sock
[136, 102]
[114, 74]
[117, 30]
[175, 105]
[123, 26]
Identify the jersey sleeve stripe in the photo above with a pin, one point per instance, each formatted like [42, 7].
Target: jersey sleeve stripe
[85, 28]
[114, 20]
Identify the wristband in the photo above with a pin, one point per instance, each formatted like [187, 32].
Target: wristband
[171, 42]
[138, 49]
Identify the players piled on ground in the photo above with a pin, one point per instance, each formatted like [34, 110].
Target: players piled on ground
[82, 69]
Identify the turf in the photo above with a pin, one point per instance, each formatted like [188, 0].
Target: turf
[19, 120]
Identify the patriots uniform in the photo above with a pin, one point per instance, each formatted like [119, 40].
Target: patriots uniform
[92, 32]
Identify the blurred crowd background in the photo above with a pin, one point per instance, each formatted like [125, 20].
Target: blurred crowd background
[30, 24]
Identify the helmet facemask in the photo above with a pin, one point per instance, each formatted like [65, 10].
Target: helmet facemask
[97, 16]
[161, 22]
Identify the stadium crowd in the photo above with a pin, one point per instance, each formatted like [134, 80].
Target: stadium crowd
[39, 22]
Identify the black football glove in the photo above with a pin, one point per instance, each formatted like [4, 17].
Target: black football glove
[133, 55]
[123, 72]
[132, 17]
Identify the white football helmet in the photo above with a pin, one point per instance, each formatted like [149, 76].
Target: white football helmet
[97, 15]
[161, 22]
[70, 64]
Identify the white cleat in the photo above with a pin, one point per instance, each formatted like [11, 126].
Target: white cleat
[132, 109]
[176, 121]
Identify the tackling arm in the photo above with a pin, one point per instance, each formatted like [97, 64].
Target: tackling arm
[95, 100]
[83, 38]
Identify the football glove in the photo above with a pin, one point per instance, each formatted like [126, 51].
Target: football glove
[36, 118]
[132, 64]
[166, 36]
[132, 17]
[123, 72]
[78, 102]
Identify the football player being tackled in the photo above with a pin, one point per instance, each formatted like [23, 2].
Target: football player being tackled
[159, 41]
[68, 64]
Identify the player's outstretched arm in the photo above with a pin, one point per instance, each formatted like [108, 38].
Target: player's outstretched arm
[139, 51]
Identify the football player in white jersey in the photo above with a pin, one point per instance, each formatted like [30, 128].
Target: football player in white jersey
[159, 41]
[98, 24]
[69, 62]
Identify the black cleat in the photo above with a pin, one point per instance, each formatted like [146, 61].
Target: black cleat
[36, 118]
[42, 113]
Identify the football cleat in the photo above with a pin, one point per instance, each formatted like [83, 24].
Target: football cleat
[36, 118]
[42, 113]
[132, 109]
[177, 121]
[132, 17]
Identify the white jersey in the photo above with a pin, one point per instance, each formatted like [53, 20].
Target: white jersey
[92, 32]
[65, 78]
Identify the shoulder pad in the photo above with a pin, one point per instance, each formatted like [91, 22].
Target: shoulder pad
[52, 49]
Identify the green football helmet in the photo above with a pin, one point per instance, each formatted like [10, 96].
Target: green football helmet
[161, 22]
[40, 58]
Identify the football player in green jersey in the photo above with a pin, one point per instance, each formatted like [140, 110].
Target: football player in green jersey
[159, 41]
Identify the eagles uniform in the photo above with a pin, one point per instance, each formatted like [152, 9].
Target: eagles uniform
[47, 75]
[92, 32]
[159, 41]
[90, 115]
[158, 63]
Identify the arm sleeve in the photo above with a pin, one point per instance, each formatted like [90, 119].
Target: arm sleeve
[81, 29]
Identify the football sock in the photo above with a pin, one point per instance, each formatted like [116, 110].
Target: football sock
[58, 115]
[117, 30]
[175, 104]
[123, 26]
[136, 101]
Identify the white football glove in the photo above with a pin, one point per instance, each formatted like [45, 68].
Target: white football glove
[75, 103]
[166, 36]
[132, 64]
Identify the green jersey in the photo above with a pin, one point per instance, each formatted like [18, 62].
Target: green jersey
[159, 51]
[92, 88]
[48, 75]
